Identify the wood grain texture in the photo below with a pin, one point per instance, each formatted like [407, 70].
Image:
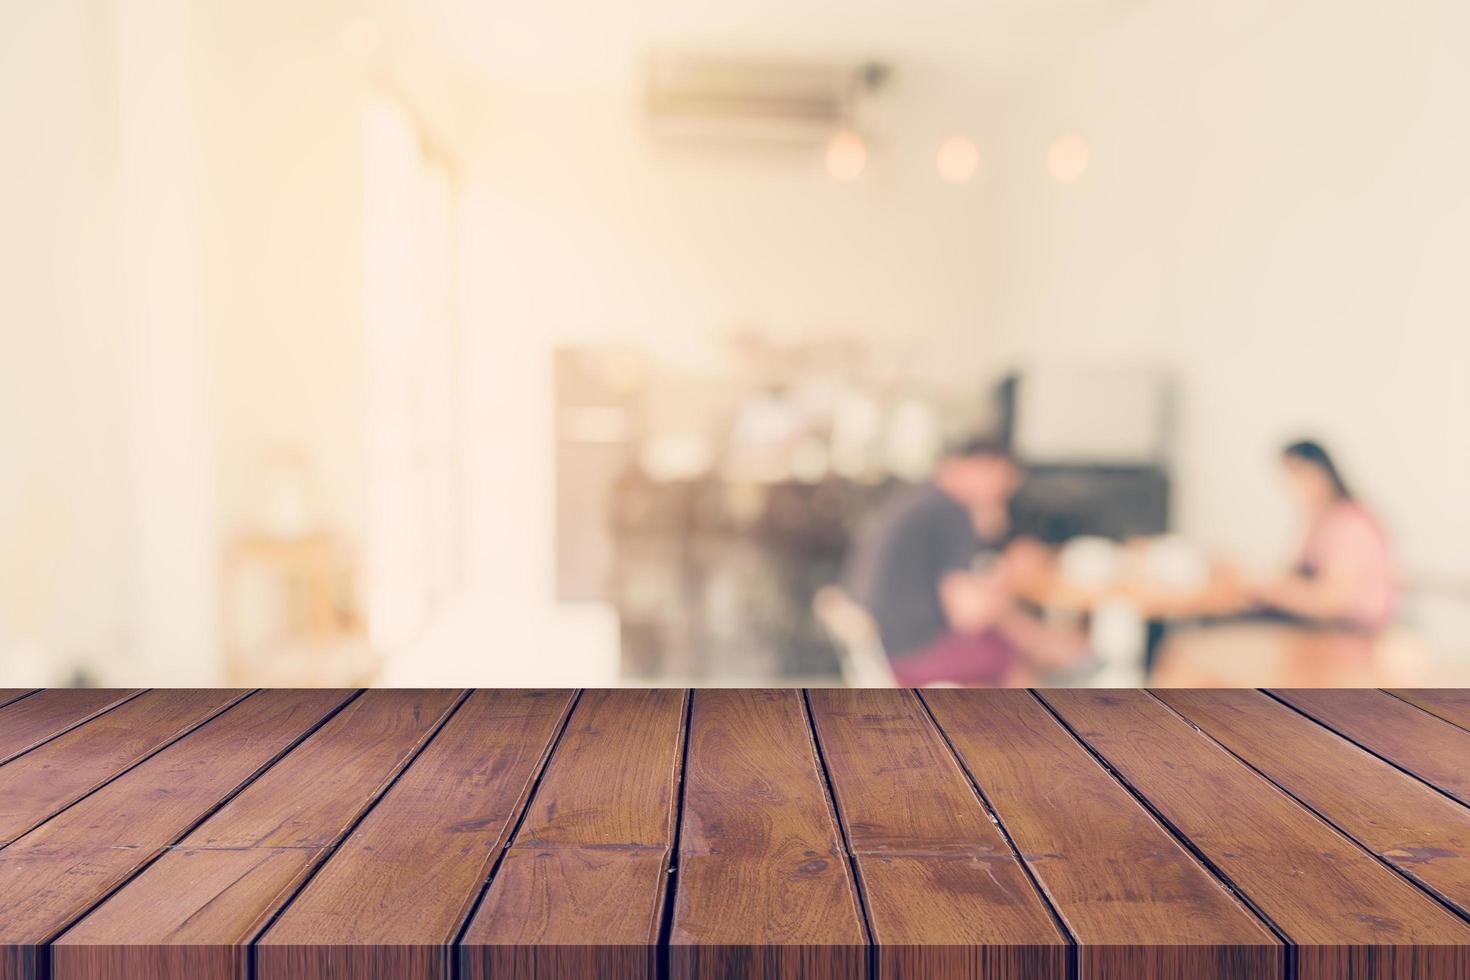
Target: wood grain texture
[589, 864]
[24, 724]
[728, 833]
[189, 913]
[45, 780]
[1138, 902]
[393, 896]
[1346, 914]
[1404, 822]
[764, 885]
[1430, 747]
[52, 875]
[1451, 704]
[944, 893]
[9, 694]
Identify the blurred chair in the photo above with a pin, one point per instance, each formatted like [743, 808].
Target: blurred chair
[860, 653]
[1118, 636]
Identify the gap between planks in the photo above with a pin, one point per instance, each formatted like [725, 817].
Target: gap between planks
[1367, 748]
[472, 907]
[1288, 946]
[1074, 959]
[197, 821]
[331, 849]
[1449, 906]
[847, 849]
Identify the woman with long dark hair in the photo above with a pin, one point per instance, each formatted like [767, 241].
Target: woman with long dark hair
[1344, 574]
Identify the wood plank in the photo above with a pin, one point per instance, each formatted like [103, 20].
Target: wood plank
[9, 694]
[944, 892]
[1451, 704]
[55, 873]
[1345, 913]
[582, 887]
[193, 912]
[1407, 824]
[1429, 747]
[391, 898]
[39, 784]
[1139, 903]
[764, 888]
[28, 723]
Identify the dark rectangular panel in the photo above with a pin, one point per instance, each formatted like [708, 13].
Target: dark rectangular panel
[944, 892]
[764, 885]
[1138, 902]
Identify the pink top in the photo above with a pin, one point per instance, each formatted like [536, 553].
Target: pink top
[1346, 532]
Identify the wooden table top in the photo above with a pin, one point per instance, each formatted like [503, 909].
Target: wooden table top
[734, 833]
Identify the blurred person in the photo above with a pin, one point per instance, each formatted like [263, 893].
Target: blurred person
[939, 569]
[1344, 575]
[1315, 623]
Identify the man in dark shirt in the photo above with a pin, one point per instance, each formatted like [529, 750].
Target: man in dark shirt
[928, 568]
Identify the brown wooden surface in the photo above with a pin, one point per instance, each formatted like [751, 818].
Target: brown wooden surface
[27, 723]
[1409, 737]
[765, 833]
[589, 866]
[1117, 878]
[55, 873]
[762, 891]
[216, 888]
[1418, 831]
[1451, 704]
[1346, 913]
[944, 892]
[396, 892]
[45, 780]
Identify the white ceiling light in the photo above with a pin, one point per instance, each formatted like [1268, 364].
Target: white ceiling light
[1068, 157]
[957, 160]
[846, 156]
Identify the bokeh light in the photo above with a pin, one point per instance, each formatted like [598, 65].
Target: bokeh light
[958, 159]
[846, 156]
[1068, 157]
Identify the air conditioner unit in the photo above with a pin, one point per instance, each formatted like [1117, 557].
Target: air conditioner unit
[701, 97]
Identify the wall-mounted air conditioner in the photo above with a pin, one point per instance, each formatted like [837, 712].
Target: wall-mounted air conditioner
[705, 97]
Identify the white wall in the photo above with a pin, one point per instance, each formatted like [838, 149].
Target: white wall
[106, 513]
[1277, 207]
[181, 280]
[172, 555]
[279, 105]
[62, 401]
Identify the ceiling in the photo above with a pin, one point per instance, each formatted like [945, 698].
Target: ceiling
[578, 42]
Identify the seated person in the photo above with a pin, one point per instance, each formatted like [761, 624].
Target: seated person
[1312, 625]
[936, 568]
[1344, 577]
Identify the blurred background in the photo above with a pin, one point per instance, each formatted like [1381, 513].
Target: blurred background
[565, 343]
